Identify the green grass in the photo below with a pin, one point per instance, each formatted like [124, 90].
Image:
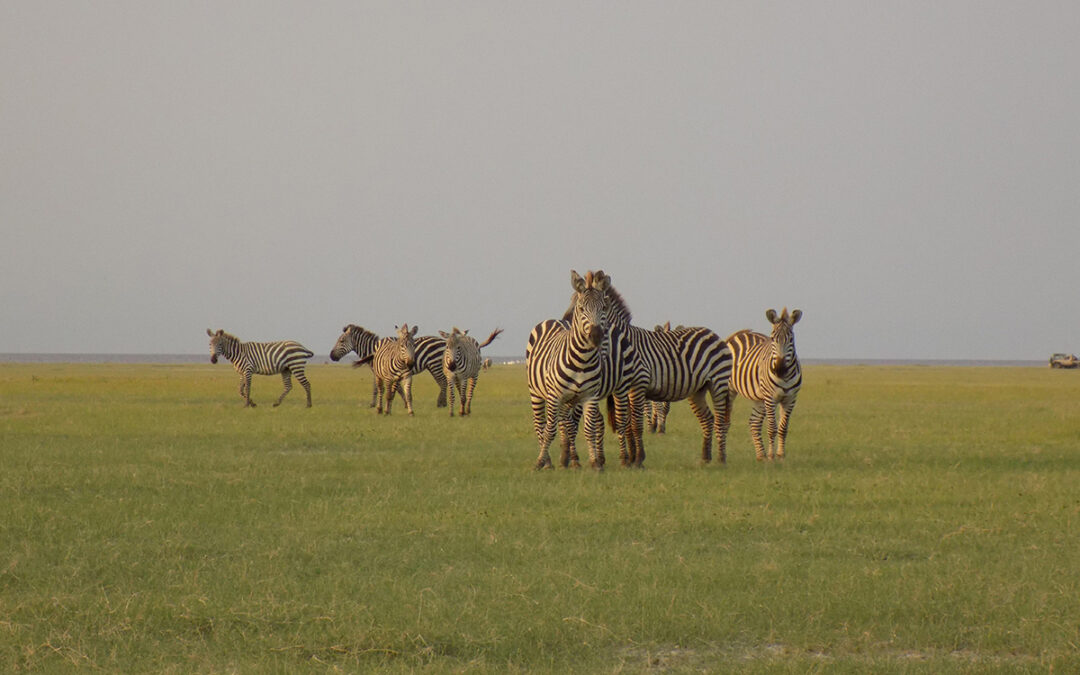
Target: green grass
[926, 520]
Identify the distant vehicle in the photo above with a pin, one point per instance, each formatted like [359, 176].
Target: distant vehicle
[1064, 361]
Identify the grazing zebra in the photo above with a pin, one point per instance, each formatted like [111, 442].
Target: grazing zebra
[572, 365]
[656, 413]
[682, 363]
[262, 358]
[767, 372]
[487, 364]
[393, 362]
[461, 365]
[429, 356]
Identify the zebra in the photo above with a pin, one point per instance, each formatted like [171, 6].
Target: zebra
[429, 356]
[262, 358]
[767, 372]
[572, 364]
[393, 363]
[461, 365]
[682, 363]
[656, 413]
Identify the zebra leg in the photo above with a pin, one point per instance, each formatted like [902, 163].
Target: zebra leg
[440, 379]
[245, 390]
[544, 429]
[782, 427]
[636, 428]
[286, 379]
[452, 389]
[406, 392]
[619, 415]
[380, 385]
[594, 431]
[374, 388]
[757, 416]
[302, 379]
[652, 416]
[391, 389]
[471, 386]
[705, 419]
[720, 398]
[571, 422]
[770, 425]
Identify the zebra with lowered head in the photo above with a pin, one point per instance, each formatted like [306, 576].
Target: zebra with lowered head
[691, 363]
[429, 356]
[461, 365]
[262, 358]
[573, 364]
[767, 372]
[393, 362]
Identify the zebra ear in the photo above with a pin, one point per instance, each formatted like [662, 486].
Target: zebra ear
[796, 314]
[601, 281]
[413, 331]
[576, 282]
[444, 334]
[210, 332]
[770, 314]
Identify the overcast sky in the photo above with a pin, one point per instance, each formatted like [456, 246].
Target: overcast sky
[906, 173]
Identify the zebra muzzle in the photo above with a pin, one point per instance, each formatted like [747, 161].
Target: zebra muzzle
[596, 334]
[213, 358]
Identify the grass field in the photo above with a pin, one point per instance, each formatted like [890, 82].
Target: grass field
[927, 519]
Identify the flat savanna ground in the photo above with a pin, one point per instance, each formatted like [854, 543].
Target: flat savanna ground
[927, 519]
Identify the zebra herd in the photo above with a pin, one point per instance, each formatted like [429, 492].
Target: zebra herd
[453, 358]
[593, 355]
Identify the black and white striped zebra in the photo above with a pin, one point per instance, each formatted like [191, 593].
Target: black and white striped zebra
[461, 365]
[262, 358]
[682, 363]
[429, 355]
[393, 362]
[767, 372]
[572, 365]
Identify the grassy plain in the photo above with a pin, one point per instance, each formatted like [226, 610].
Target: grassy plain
[927, 519]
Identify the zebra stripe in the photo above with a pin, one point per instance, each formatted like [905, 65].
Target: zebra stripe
[682, 363]
[262, 358]
[429, 356]
[461, 365]
[767, 372]
[393, 363]
[574, 364]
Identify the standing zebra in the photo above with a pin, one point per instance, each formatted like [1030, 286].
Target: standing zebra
[393, 362]
[429, 356]
[572, 365]
[767, 372]
[685, 362]
[262, 358]
[461, 365]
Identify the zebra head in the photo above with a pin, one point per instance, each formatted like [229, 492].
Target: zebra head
[218, 343]
[350, 340]
[589, 314]
[407, 344]
[453, 346]
[783, 338]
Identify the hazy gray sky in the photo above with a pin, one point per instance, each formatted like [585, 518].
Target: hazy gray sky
[907, 173]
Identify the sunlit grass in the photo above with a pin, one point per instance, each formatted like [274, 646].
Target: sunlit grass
[926, 520]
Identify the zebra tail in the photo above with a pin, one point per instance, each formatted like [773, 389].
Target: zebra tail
[611, 412]
[494, 334]
[364, 361]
